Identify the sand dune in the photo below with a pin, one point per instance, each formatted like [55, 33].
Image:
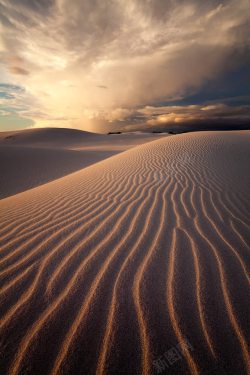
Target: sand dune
[33, 157]
[115, 268]
[47, 137]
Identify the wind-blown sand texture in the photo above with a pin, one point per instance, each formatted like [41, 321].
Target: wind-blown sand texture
[29, 158]
[105, 270]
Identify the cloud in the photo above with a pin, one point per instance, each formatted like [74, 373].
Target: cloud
[18, 70]
[145, 52]
[16, 65]
[208, 114]
[4, 112]
[170, 117]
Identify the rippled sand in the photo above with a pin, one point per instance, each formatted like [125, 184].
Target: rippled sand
[106, 270]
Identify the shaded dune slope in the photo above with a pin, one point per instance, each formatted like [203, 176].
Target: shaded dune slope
[33, 157]
[23, 168]
[105, 270]
[30, 158]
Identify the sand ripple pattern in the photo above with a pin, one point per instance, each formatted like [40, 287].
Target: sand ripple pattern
[105, 270]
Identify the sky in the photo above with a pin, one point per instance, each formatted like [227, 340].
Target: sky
[124, 65]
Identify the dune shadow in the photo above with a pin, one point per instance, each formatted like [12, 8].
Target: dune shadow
[23, 168]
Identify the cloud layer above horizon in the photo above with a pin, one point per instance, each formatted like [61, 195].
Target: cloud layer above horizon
[98, 65]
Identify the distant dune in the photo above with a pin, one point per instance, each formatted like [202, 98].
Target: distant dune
[47, 137]
[138, 264]
[29, 158]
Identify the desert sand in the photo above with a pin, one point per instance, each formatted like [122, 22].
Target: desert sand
[29, 158]
[110, 269]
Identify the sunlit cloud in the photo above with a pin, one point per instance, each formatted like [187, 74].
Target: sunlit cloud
[161, 117]
[195, 113]
[95, 63]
